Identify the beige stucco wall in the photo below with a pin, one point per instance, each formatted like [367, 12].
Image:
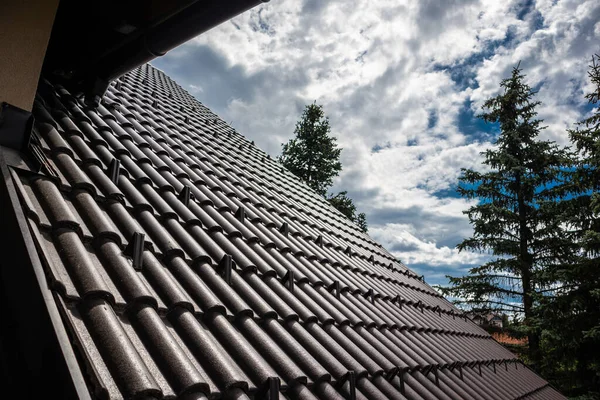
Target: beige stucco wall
[25, 27]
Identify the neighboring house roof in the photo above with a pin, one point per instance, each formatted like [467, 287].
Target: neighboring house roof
[505, 338]
[485, 317]
[243, 277]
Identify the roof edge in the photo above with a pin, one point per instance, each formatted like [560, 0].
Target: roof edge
[24, 272]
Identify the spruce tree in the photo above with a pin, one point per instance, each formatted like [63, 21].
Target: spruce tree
[361, 221]
[515, 218]
[345, 205]
[570, 315]
[313, 155]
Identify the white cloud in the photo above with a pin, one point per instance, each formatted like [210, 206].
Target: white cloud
[414, 250]
[394, 76]
[554, 57]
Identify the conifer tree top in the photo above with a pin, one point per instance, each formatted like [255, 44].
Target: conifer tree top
[313, 155]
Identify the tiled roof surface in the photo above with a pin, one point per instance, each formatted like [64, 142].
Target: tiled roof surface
[186, 262]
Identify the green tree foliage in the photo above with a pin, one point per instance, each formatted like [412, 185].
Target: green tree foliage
[570, 315]
[515, 219]
[505, 321]
[361, 221]
[313, 155]
[346, 206]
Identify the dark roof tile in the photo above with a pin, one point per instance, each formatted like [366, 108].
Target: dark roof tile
[97, 220]
[339, 350]
[59, 213]
[289, 371]
[241, 350]
[58, 277]
[118, 352]
[195, 287]
[282, 309]
[161, 237]
[29, 199]
[208, 244]
[83, 151]
[224, 290]
[125, 222]
[166, 286]
[130, 284]
[351, 336]
[208, 351]
[334, 306]
[133, 170]
[103, 182]
[133, 196]
[179, 370]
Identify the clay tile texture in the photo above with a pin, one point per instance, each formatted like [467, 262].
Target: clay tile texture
[186, 263]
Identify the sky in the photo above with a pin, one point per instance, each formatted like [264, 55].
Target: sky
[402, 83]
